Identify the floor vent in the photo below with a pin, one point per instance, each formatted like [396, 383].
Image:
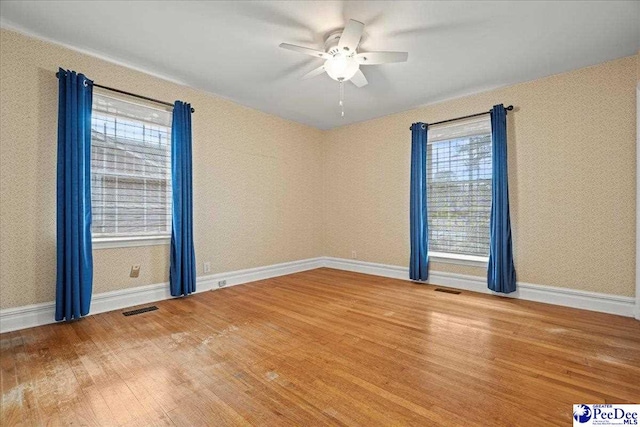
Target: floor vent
[448, 291]
[140, 310]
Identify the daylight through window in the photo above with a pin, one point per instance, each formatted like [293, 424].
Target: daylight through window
[459, 187]
[131, 169]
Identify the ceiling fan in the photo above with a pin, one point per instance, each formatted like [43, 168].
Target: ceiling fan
[342, 60]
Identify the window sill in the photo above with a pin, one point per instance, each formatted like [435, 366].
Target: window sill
[127, 242]
[468, 260]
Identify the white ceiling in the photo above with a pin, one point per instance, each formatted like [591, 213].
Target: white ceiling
[231, 48]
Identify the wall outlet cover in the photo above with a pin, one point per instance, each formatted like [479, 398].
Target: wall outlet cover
[135, 271]
[207, 267]
[222, 283]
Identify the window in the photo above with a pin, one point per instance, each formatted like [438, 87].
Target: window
[459, 189]
[130, 171]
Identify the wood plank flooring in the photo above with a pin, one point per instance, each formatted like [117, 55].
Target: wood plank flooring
[323, 347]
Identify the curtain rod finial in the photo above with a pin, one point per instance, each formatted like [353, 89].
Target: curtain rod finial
[509, 108]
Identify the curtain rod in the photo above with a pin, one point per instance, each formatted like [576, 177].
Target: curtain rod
[509, 108]
[146, 98]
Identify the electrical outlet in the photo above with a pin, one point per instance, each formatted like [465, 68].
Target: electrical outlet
[135, 271]
[222, 283]
[354, 255]
[207, 267]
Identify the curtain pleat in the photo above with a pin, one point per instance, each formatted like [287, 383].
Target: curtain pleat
[182, 274]
[501, 273]
[74, 273]
[419, 260]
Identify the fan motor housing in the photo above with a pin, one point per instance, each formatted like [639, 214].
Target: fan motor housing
[331, 42]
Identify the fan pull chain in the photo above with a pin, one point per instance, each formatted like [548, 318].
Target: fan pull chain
[341, 83]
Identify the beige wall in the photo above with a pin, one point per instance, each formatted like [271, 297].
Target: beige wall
[270, 190]
[571, 179]
[257, 178]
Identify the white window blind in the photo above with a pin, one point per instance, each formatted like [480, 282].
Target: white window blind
[459, 187]
[130, 169]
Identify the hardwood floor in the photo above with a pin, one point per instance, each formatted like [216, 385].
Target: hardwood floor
[323, 347]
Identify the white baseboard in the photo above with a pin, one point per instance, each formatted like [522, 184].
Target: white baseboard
[239, 277]
[12, 319]
[605, 303]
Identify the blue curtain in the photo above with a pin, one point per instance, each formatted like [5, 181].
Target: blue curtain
[501, 274]
[182, 274]
[74, 276]
[419, 261]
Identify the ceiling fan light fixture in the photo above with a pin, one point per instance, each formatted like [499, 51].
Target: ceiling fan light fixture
[342, 61]
[341, 67]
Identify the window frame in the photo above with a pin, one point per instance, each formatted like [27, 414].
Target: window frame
[130, 241]
[133, 239]
[459, 259]
[449, 257]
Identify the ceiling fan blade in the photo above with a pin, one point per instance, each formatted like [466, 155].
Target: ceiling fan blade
[359, 79]
[313, 73]
[374, 58]
[351, 35]
[305, 50]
